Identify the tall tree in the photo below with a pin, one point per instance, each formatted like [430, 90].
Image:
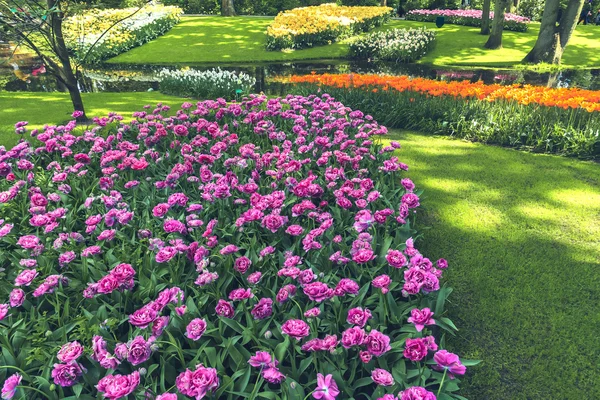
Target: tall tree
[495, 39]
[485, 17]
[227, 9]
[38, 25]
[554, 37]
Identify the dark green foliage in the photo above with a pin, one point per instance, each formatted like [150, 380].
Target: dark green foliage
[244, 7]
[574, 132]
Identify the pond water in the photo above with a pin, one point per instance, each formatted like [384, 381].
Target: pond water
[120, 78]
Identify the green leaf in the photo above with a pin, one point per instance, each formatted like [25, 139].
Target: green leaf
[450, 386]
[387, 242]
[297, 393]
[448, 322]
[233, 325]
[281, 349]
[77, 389]
[443, 294]
[470, 363]
[305, 363]
[362, 382]
[242, 383]
[268, 395]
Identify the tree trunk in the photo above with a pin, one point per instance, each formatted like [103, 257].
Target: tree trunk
[227, 9]
[66, 71]
[485, 18]
[383, 3]
[552, 39]
[495, 40]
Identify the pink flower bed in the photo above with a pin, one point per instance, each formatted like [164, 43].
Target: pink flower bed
[265, 248]
[468, 17]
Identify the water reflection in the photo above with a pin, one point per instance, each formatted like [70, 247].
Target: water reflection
[118, 78]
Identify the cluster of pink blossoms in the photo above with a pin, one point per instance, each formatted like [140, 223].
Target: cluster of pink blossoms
[276, 219]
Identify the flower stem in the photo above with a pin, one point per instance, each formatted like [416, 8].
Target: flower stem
[256, 386]
[441, 383]
[308, 395]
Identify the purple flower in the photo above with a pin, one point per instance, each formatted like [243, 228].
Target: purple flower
[66, 375]
[359, 317]
[224, 309]
[415, 349]
[195, 329]
[450, 362]
[382, 377]
[197, 383]
[420, 318]
[416, 393]
[263, 310]
[295, 328]
[10, 386]
[166, 254]
[242, 264]
[138, 350]
[70, 352]
[318, 291]
[262, 359]
[327, 388]
[377, 343]
[115, 387]
[272, 375]
[26, 277]
[382, 282]
[16, 298]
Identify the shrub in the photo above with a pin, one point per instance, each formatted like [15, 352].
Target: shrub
[532, 9]
[433, 4]
[512, 22]
[196, 6]
[88, 29]
[399, 45]
[563, 121]
[324, 24]
[232, 251]
[212, 83]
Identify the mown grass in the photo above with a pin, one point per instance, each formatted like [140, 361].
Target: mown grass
[520, 230]
[197, 40]
[43, 108]
[220, 40]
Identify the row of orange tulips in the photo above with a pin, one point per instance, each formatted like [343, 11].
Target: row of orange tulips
[539, 119]
[522, 94]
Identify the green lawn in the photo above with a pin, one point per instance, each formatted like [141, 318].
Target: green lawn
[41, 108]
[520, 230]
[220, 40]
[241, 40]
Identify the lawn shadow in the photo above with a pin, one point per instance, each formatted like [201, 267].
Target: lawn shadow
[521, 233]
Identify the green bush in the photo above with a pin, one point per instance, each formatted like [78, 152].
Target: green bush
[531, 9]
[246, 7]
[409, 5]
[573, 131]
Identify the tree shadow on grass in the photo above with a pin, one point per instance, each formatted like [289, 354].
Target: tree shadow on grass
[521, 234]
